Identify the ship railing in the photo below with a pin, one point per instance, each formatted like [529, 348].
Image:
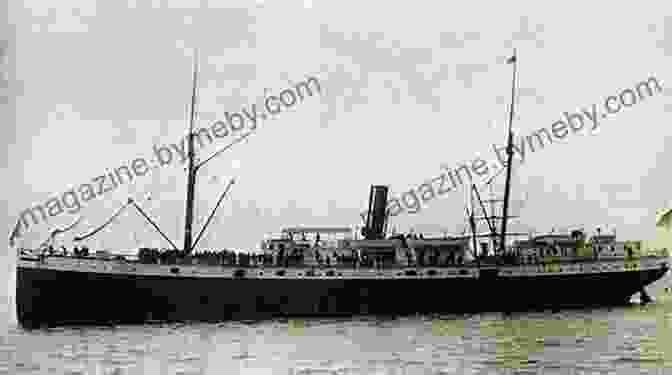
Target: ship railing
[246, 263]
[660, 253]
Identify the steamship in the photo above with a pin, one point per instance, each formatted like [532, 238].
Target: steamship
[309, 271]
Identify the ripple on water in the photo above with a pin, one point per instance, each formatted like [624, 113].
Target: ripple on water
[26, 367]
[309, 371]
[185, 370]
[526, 342]
[185, 357]
[113, 348]
[91, 354]
[61, 355]
[449, 371]
[243, 356]
[138, 350]
[118, 359]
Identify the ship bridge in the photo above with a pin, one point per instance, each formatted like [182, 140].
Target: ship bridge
[310, 244]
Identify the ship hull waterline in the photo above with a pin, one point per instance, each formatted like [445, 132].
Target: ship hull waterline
[52, 297]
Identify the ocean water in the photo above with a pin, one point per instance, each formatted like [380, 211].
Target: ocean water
[629, 340]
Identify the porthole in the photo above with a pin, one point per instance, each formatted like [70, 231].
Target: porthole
[431, 272]
[280, 273]
[239, 273]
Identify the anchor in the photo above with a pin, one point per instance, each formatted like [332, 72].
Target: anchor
[644, 297]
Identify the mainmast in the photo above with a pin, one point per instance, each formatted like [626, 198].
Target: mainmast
[472, 223]
[191, 170]
[509, 152]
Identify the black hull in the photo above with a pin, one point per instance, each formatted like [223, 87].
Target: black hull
[49, 297]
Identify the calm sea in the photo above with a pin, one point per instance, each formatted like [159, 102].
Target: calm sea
[633, 340]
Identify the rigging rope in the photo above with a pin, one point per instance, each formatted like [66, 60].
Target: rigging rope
[15, 233]
[85, 236]
[59, 231]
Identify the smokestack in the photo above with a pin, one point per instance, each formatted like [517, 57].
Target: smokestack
[377, 215]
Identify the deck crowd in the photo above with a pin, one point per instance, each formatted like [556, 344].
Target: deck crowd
[229, 257]
[283, 258]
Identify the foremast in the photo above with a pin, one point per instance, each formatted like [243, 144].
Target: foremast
[191, 170]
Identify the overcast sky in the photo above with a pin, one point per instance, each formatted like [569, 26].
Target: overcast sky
[405, 88]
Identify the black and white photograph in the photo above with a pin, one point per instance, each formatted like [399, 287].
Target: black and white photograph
[313, 187]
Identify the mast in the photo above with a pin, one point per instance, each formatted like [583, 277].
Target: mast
[472, 223]
[509, 152]
[191, 171]
[493, 238]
